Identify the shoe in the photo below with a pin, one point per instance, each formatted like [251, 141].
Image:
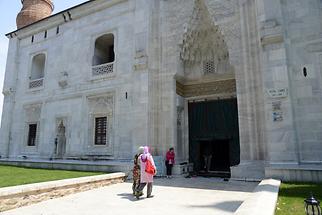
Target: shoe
[138, 194]
[150, 196]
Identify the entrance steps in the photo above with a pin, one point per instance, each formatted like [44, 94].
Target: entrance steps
[218, 174]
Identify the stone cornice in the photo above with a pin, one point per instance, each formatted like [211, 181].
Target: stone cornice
[62, 17]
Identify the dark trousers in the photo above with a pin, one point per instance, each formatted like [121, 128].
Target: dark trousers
[141, 187]
[169, 168]
[135, 186]
[207, 161]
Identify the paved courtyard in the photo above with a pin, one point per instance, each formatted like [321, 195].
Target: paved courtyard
[189, 196]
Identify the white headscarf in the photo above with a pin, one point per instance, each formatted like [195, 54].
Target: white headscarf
[145, 153]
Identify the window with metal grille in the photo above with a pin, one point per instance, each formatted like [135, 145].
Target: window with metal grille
[32, 134]
[209, 67]
[100, 130]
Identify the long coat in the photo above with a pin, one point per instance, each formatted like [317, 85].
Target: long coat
[146, 177]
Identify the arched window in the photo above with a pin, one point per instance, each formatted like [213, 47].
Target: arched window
[37, 71]
[104, 50]
[38, 66]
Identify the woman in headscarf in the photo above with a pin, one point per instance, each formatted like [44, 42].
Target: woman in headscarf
[136, 169]
[146, 178]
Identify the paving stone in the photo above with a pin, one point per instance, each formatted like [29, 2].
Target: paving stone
[189, 196]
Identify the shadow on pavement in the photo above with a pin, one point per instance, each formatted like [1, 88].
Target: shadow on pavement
[207, 183]
[229, 206]
[128, 196]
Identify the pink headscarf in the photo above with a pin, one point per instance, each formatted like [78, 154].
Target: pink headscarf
[145, 154]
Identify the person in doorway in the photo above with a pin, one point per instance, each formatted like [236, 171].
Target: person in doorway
[207, 156]
[146, 160]
[136, 169]
[169, 161]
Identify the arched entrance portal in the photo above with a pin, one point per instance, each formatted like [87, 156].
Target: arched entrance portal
[206, 91]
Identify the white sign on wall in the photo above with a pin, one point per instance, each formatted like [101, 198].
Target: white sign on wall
[278, 93]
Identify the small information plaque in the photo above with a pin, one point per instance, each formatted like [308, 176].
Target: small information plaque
[277, 111]
[278, 93]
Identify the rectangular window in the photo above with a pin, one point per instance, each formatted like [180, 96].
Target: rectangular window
[100, 130]
[32, 134]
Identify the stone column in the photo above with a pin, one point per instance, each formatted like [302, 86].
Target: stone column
[154, 96]
[279, 117]
[9, 90]
[250, 97]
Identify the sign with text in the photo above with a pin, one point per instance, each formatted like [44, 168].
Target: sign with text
[278, 93]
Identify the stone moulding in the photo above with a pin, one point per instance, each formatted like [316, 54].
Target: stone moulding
[206, 88]
[271, 33]
[8, 91]
[314, 47]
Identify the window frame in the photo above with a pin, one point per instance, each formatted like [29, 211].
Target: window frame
[108, 50]
[30, 70]
[94, 37]
[106, 130]
[36, 134]
[109, 121]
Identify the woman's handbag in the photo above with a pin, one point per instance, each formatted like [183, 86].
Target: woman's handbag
[149, 168]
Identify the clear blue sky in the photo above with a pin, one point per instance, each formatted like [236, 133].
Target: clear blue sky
[8, 12]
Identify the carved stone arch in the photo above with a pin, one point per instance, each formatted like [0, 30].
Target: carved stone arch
[204, 51]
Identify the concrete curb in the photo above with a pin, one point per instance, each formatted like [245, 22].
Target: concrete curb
[263, 200]
[45, 186]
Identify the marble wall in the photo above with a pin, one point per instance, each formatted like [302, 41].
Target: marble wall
[71, 91]
[270, 42]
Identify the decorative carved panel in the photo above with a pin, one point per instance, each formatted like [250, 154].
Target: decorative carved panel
[102, 104]
[202, 39]
[32, 112]
[206, 88]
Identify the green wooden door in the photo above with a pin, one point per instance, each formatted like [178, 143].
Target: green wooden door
[214, 122]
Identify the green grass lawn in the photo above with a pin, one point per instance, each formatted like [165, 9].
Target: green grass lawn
[11, 176]
[291, 197]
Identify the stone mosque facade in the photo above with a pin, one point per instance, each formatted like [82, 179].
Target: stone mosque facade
[237, 80]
